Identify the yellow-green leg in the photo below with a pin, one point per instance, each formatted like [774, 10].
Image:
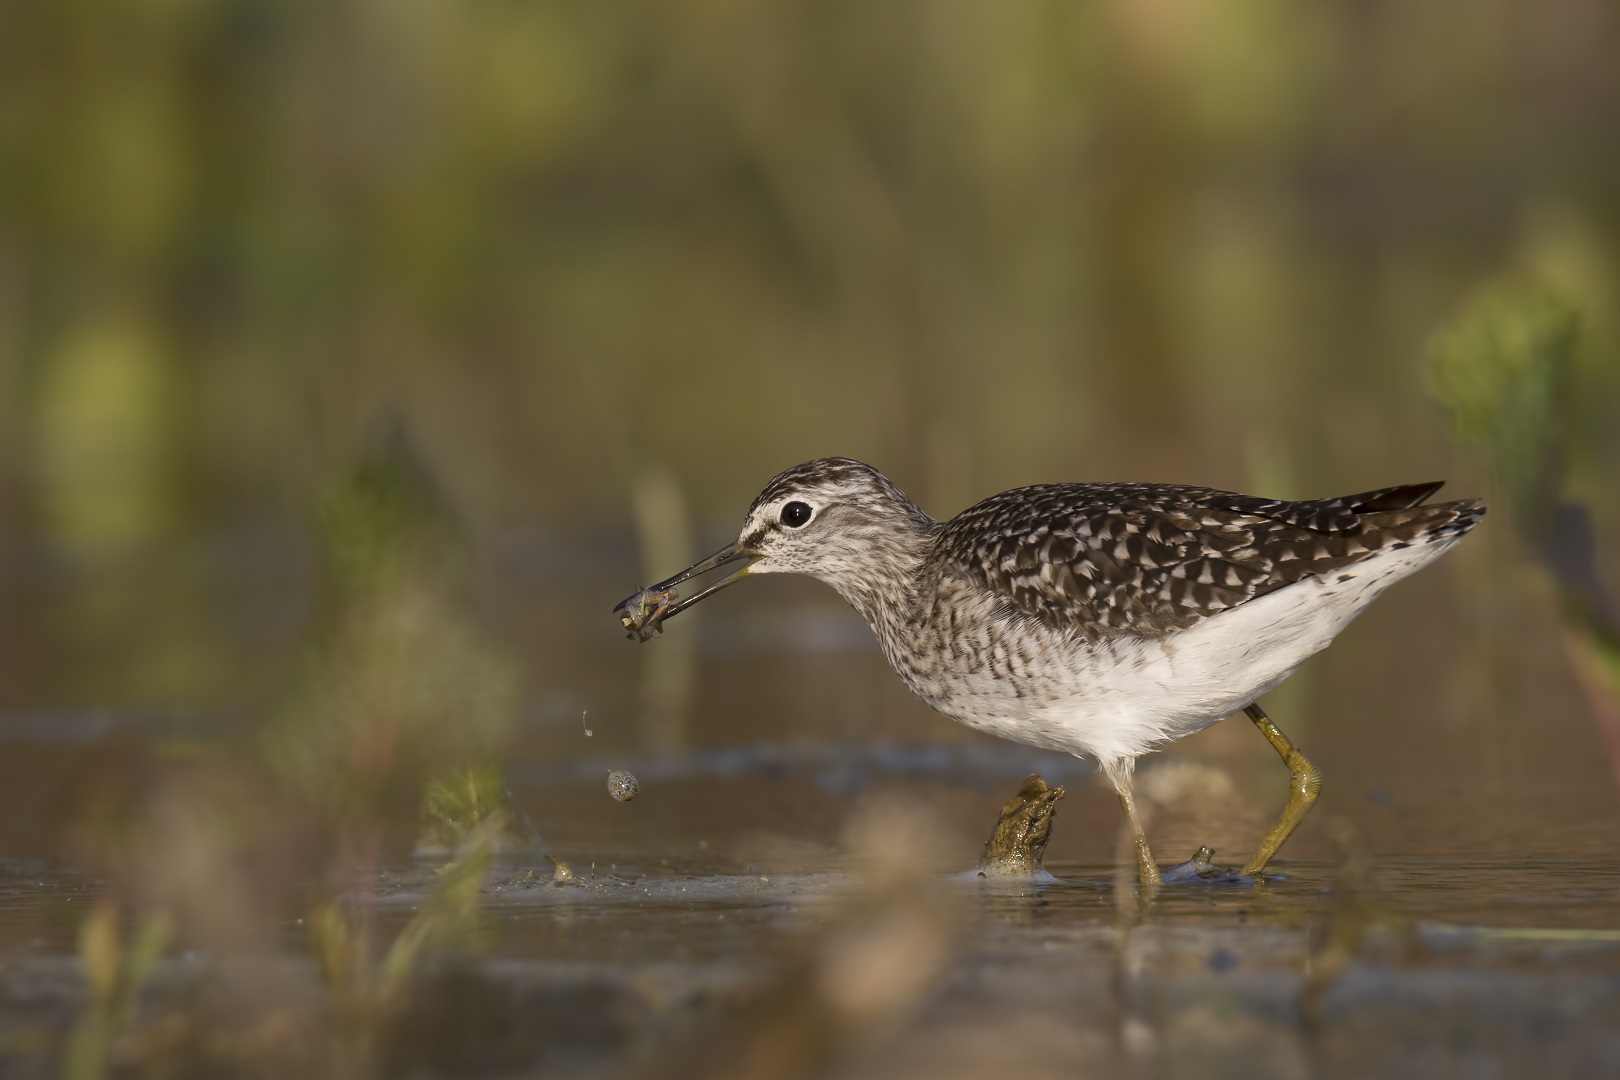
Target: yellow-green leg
[1304, 785]
[1119, 774]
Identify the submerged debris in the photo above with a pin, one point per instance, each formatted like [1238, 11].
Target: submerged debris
[622, 785]
[1201, 868]
[643, 613]
[1018, 843]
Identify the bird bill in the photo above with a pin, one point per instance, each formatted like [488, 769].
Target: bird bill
[643, 613]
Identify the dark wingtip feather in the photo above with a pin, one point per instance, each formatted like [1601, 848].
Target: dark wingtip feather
[1403, 497]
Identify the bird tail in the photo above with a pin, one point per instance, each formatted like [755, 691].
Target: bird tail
[1403, 497]
[1399, 516]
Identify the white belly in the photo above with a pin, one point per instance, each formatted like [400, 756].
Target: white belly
[1121, 699]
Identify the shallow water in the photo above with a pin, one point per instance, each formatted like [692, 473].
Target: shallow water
[732, 861]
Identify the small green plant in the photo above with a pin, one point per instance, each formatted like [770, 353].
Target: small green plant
[449, 918]
[115, 971]
[368, 994]
[456, 803]
[1503, 368]
[401, 678]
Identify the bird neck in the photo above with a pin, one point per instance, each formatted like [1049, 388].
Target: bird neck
[885, 589]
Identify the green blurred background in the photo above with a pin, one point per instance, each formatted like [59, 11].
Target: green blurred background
[550, 262]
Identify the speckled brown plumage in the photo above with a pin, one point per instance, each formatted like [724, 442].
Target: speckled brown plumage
[1146, 559]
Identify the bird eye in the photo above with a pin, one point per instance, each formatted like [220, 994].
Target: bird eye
[795, 514]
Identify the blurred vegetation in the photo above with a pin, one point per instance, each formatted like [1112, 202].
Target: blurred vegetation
[1506, 367]
[1503, 368]
[565, 243]
[460, 804]
[400, 681]
[366, 991]
[115, 972]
